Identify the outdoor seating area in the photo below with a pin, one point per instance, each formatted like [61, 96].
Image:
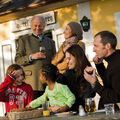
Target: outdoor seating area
[92, 116]
[59, 60]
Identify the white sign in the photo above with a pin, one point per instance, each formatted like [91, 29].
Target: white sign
[24, 23]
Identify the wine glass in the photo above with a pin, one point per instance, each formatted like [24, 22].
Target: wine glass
[42, 49]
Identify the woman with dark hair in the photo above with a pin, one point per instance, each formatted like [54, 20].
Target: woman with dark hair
[77, 62]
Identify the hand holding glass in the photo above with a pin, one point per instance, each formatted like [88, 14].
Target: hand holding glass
[42, 49]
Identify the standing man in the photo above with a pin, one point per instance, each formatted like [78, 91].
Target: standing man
[104, 46]
[29, 56]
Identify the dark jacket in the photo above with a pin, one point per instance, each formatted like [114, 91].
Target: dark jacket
[110, 91]
[79, 87]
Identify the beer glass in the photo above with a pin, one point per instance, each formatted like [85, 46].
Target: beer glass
[90, 105]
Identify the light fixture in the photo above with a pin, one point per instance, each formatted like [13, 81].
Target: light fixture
[85, 22]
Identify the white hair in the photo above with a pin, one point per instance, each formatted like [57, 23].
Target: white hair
[40, 17]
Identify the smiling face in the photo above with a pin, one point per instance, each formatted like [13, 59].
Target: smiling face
[70, 60]
[37, 26]
[67, 32]
[100, 49]
[19, 78]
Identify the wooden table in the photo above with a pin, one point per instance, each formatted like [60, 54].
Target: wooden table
[93, 116]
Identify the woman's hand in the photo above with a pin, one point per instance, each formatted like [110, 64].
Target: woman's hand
[66, 47]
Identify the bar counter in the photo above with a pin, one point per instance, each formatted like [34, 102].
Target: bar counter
[92, 116]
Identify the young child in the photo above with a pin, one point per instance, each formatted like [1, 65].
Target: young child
[13, 86]
[59, 95]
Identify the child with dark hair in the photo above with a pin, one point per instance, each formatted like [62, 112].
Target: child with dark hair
[13, 86]
[59, 95]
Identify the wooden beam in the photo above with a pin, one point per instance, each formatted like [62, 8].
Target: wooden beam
[32, 11]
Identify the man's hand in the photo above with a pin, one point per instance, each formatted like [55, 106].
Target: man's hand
[97, 60]
[38, 55]
[90, 78]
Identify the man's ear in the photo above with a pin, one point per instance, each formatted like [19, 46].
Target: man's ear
[108, 46]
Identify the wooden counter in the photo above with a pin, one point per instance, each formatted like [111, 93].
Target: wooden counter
[93, 116]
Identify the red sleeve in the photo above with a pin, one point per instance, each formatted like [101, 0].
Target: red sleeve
[30, 94]
[4, 86]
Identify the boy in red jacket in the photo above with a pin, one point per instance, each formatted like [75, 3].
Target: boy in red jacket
[14, 86]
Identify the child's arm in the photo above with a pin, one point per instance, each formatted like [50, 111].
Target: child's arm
[37, 102]
[70, 98]
[4, 85]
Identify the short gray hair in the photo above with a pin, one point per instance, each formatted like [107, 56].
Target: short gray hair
[40, 17]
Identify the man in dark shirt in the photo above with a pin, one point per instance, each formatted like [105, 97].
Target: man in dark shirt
[104, 46]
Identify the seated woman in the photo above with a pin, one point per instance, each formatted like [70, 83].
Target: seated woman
[77, 62]
[59, 95]
[73, 34]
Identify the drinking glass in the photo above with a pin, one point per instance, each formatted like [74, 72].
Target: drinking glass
[45, 105]
[42, 49]
[20, 101]
[109, 109]
[90, 105]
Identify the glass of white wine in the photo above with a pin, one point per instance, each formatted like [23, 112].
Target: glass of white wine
[42, 49]
[90, 105]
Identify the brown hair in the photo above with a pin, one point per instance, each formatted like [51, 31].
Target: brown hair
[13, 67]
[80, 57]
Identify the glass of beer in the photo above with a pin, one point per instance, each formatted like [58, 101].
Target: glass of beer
[90, 105]
[42, 49]
[20, 101]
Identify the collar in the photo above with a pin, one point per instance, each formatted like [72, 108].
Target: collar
[111, 57]
[40, 37]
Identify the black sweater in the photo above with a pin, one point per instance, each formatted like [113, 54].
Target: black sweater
[110, 91]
